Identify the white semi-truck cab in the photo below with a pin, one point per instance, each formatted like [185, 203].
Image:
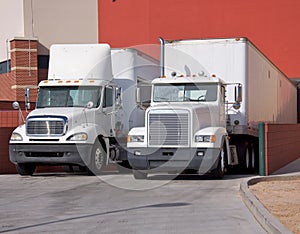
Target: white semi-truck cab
[84, 109]
[199, 122]
[185, 128]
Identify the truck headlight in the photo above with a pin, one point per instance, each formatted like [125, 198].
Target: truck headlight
[16, 137]
[78, 137]
[205, 138]
[135, 138]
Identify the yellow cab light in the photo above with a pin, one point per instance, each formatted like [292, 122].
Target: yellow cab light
[92, 81]
[60, 81]
[76, 81]
[68, 81]
[45, 81]
[163, 76]
[213, 75]
[237, 38]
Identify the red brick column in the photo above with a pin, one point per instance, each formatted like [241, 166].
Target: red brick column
[24, 67]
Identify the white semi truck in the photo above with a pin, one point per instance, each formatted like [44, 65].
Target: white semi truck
[202, 123]
[84, 109]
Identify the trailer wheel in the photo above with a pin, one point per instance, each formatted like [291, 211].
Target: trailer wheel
[25, 169]
[248, 160]
[98, 159]
[244, 156]
[251, 160]
[138, 175]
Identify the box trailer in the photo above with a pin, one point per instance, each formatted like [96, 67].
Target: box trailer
[206, 106]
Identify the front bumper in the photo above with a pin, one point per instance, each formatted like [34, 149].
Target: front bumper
[76, 154]
[202, 160]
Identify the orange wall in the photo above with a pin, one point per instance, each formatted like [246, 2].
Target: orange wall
[272, 25]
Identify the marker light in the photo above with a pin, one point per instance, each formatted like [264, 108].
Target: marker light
[205, 138]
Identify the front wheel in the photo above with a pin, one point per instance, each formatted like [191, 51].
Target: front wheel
[25, 169]
[98, 159]
[219, 172]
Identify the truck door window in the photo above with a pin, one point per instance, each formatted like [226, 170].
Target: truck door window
[108, 97]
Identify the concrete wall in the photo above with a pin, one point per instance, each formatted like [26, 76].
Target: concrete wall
[57, 21]
[11, 24]
[282, 145]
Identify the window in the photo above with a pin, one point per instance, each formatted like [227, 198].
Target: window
[68, 96]
[108, 97]
[185, 92]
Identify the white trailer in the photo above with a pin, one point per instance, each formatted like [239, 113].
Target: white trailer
[85, 109]
[200, 122]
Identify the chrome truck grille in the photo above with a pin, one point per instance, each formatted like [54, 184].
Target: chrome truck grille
[168, 129]
[45, 126]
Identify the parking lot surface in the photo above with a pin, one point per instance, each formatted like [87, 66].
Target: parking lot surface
[116, 203]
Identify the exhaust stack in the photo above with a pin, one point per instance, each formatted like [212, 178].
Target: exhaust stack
[162, 56]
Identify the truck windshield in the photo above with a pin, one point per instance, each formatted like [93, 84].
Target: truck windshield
[68, 96]
[185, 92]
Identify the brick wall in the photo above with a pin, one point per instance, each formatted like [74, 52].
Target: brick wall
[23, 73]
[8, 121]
[6, 166]
[282, 145]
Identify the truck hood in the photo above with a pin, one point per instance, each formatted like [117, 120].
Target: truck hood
[65, 112]
[73, 115]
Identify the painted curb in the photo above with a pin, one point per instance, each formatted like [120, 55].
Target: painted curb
[261, 214]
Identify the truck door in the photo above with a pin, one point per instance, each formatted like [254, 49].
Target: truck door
[108, 109]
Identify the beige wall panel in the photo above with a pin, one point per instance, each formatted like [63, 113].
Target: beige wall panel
[61, 21]
[11, 24]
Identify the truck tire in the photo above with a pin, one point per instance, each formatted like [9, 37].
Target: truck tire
[219, 172]
[25, 169]
[250, 160]
[98, 159]
[253, 158]
[138, 175]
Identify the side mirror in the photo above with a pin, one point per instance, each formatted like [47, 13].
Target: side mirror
[89, 105]
[118, 96]
[138, 95]
[143, 95]
[27, 98]
[238, 93]
[16, 106]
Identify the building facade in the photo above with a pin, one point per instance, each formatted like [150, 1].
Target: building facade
[30, 27]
